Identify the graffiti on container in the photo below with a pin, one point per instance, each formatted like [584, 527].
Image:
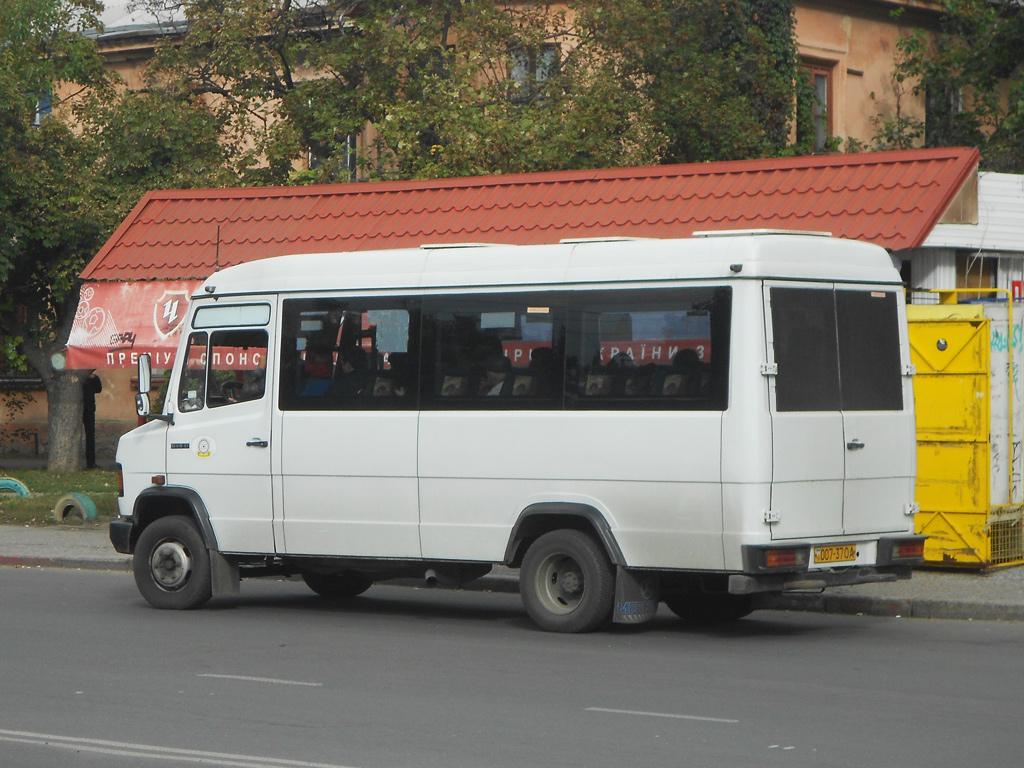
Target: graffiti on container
[1015, 472]
[1001, 339]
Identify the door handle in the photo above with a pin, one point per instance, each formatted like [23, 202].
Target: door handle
[257, 443]
[854, 445]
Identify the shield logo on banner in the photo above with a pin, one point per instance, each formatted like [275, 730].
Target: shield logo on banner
[169, 311]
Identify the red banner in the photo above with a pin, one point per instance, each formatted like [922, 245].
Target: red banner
[115, 322]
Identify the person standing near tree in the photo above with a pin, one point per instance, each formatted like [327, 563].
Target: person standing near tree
[91, 386]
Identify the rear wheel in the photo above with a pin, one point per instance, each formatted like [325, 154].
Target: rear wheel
[567, 583]
[337, 586]
[172, 565]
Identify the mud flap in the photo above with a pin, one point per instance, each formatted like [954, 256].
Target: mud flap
[636, 596]
[223, 575]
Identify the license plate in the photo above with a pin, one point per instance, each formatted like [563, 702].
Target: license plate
[836, 553]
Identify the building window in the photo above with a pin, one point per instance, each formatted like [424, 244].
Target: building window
[942, 105]
[974, 271]
[347, 167]
[819, 78]
[529, 69]
[44, 109]
[11, 371]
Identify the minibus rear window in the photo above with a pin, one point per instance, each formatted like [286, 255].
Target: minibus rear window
[836, 350]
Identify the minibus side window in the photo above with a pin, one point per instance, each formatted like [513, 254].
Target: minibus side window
[237, 367]
[493, 351]
[343, 354]
[223, 368]
[192, 386]
[650, 349]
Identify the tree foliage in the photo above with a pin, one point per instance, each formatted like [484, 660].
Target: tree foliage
[465, 87]
[972, 77]
[48, 226]
[435, 88]
[718, 75]
[68, 175]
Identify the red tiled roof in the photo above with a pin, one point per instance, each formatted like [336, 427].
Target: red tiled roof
[889, 198]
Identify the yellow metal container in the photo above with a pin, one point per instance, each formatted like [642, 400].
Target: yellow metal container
[968, 449]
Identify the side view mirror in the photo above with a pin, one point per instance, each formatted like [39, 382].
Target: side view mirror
[142, 405]
[142, 402]
[145, 374]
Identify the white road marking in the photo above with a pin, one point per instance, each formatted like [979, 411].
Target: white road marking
[127, 749]
[662, 714]
[262, 680]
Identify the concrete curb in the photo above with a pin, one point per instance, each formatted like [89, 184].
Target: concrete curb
[916, 608]
[67, 562]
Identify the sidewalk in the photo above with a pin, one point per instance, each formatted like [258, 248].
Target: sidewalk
[934, 594]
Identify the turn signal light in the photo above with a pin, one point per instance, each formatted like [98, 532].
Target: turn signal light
[902, 550]
[785, 558]
[158, 479]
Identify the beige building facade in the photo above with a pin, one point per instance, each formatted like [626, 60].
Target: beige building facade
[849, 50]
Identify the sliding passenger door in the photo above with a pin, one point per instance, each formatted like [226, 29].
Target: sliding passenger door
[346, 447]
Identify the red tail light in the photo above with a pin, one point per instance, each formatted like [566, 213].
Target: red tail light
[904, 550]
[785, 558]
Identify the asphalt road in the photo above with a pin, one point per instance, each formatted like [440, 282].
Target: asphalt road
[91, 676]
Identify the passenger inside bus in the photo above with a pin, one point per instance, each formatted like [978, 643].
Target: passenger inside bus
[496, 374]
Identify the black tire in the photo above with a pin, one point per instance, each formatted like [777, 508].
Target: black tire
[697, 607]
[337, 586]
[172, 565]
[567, 583]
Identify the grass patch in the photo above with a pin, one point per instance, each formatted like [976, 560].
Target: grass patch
[46, 489]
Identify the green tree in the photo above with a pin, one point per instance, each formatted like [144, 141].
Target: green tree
[466, 87]
[718, 75]
[440, 87]
[971, 74]
[69, 174]
[47, 226]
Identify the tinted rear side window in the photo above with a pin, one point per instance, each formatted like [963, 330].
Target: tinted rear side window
[493, 351]
[660, 349]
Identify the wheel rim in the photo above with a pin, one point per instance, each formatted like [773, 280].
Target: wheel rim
[560, 584]
[171, 565]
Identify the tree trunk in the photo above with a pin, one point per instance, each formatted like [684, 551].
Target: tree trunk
[64, 413]
[64, 395]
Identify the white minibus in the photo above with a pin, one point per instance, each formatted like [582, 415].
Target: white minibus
[626, 422]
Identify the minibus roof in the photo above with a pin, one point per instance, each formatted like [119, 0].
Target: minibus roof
[747, 255]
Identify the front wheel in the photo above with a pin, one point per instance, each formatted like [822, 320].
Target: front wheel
[172, 565]
[567, 583]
